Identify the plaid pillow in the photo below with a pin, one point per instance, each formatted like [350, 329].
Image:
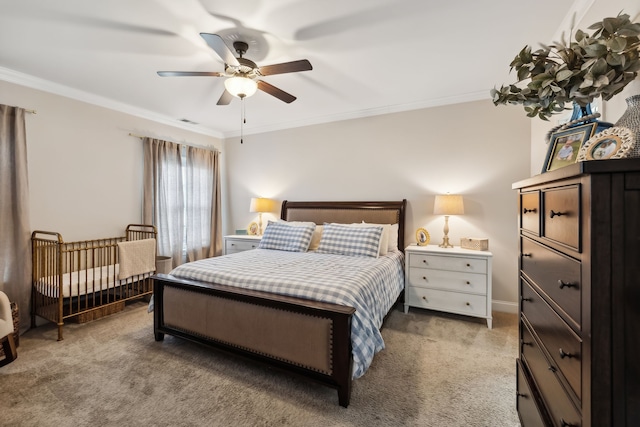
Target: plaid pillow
[352, 241]
[286, 237]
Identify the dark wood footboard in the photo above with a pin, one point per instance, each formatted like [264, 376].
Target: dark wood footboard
[305, 337]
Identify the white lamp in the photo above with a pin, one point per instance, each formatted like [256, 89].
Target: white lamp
[448, 204]
[260, 205]
[240, 87]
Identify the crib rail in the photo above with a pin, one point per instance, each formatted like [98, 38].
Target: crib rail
[70, 279]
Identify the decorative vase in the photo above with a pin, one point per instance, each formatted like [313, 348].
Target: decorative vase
[586, 111]
[631, 120]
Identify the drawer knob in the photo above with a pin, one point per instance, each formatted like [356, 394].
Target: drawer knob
[552, 368]
[518, 394]
[526, 255]
[563, 354]
[563, 423]
[468, 265]
[425, 298]
[554, 213]
[525, 210]
[523, 299]
[467, 303]
[468, 282]
[564, 284]
[424, 278]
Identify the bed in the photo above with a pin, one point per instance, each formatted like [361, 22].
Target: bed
[88, 279]
[275, 318]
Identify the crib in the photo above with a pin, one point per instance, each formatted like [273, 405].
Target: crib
[80, 280]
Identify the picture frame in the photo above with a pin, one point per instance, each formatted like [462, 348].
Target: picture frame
[611, 143]
[422, 237]
[252, 229]
[565, 145]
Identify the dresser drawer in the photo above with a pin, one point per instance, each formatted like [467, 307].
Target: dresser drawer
[451, 263]
[452, 302]
[448, 280]
[530, 211]
[558, 404]
[562, 215]
[564, 346]
[233, 246]
[526, 404]
[557, 275]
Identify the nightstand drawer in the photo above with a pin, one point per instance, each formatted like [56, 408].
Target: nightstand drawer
[448, 280]
[450, 263]
[233, 246]
[452, 302]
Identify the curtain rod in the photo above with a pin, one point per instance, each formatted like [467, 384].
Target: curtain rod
[190, 145]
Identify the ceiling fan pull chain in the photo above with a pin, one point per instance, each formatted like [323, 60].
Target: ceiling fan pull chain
[242, 119]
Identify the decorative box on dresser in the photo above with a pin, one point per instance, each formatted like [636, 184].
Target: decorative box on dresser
[452, 280]
[580, 296]
[240, 243]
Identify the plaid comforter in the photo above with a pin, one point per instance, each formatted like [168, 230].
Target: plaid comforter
[370, 285]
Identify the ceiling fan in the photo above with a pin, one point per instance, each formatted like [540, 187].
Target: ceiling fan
[243, 74]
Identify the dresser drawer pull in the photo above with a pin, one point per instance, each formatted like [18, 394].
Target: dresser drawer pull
[253, 246]
[563, 354]
[523, 299]
[425, 298]
[563, 284]
[525, 210]
[467, 303]
[468, 265]
[563, 423]
[468, 282]
[553, 369]
[518, 394]
[526, 255]
[554, 213]
[523, 342]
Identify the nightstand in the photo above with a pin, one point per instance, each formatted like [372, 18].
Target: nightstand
[453, 280]
[239, 243]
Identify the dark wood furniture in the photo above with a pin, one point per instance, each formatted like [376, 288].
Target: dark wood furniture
[580, 295]
[301, 336]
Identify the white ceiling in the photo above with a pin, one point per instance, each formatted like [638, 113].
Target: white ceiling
[369, 56]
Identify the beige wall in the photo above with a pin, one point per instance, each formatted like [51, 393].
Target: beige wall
[475, 149]
[85, 171]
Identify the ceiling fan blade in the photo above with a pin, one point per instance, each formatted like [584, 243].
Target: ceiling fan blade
[225, 98]
[274, 91]
[286, 67]
[216, 43]
[190, 74]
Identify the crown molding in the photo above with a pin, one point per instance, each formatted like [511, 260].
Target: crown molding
[32, 82]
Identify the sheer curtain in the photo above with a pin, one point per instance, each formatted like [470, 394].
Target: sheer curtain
[15, 230]
[203, 222]
[182, 199]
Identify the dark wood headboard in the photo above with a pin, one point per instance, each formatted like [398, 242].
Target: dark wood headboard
[348, 212]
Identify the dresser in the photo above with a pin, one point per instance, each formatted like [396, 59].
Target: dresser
[239, 243]
[579, 288]
[453, 280]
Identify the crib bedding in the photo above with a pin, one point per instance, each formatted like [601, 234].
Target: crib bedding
[370, 285]
[83, 282]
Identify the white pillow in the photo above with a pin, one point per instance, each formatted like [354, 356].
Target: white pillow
[315, 238]
[393, 237]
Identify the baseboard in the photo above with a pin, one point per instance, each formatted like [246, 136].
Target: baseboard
[504, 306]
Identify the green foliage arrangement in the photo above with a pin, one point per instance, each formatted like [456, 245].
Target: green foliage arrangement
[600, 64]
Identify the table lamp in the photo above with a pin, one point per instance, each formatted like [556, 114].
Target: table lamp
[260, 205]
[448, 204]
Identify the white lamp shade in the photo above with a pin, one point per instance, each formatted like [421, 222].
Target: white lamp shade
[448, 204]
[262, 204]
[240, 87]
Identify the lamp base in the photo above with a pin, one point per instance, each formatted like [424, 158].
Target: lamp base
[445, 243]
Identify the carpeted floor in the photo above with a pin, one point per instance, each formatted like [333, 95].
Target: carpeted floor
[436, 370]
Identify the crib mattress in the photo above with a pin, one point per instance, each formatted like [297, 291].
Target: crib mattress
[83, 282]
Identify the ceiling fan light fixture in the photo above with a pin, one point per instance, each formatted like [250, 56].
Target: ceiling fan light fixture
[240, 87]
